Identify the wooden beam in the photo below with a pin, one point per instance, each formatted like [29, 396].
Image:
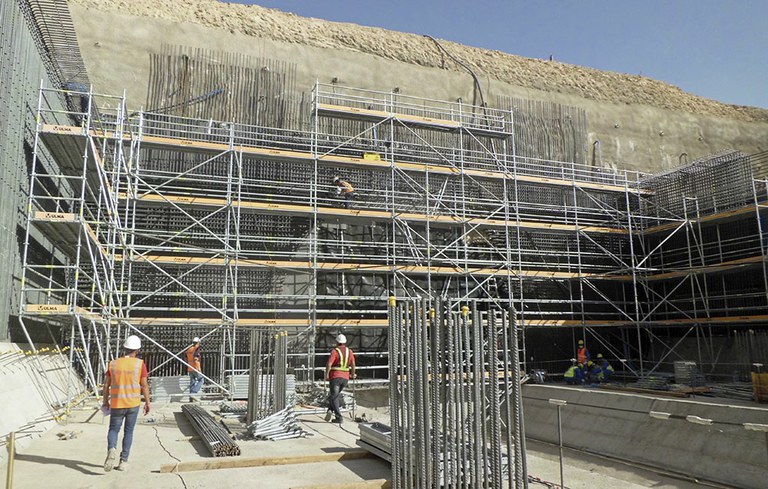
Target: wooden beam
[371, 484]
[241, 462]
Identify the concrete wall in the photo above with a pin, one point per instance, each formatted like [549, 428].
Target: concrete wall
[30, 387]
[619, 425]
[116, 51]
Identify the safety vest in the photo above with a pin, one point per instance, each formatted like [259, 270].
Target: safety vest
[570, 373]
[193, 359]
[125, 389]
[346, 187]
[582, 355]
[343, 360]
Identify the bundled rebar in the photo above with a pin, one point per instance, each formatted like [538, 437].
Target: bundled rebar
[212, 433]
[455, 413]
[267, 381]
[281, 425]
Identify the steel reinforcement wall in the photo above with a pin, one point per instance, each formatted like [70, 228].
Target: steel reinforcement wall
[36, 39]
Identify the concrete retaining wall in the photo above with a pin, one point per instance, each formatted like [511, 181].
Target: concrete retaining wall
[30, 386]
[619, 425]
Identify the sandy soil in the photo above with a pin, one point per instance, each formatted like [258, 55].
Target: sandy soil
[411, 48]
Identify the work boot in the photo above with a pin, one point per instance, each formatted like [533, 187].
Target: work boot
[328, 415]
[110, 461]
[337, 420]
[123, 465]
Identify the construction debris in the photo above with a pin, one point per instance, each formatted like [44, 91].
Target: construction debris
[215, 437]
[233, 408]
[318, 396]
[69, 435]
[282, 425]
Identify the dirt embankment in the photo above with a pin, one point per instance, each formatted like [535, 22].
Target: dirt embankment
[411, 48]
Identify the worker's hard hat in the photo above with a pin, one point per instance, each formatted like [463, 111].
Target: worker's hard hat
[341, 339]
[195, 340]
[336, 179]
[589, 363]
[599, 355]
[581, 342]
[133, 342]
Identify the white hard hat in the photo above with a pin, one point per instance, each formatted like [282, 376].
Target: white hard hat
[195, 340]
[341, 339]
[133, 342]
[336, 179]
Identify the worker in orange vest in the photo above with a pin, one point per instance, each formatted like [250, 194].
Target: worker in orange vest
[582, 354]
[345, 189]
[338, 369]
[194, 355]
[124, 383]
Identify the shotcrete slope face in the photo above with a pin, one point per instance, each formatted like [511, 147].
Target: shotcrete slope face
[415, 49]
[641, 123]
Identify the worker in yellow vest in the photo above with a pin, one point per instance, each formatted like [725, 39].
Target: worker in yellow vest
[194, 368]
[124, 383]
[338, 369]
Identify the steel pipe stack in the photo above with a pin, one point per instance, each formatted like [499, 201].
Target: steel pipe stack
[455, 412]
[281, 425]
[212, 433]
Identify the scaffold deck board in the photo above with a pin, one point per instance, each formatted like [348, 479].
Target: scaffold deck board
[719, 217]
[66, 227]
[356, 267]
[282, 208]
[383, 323]
[260, 322]
[59, 310]
[715, 268]
[281, 154]
[359, 113]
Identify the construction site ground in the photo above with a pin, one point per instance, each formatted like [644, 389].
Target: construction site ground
[166, 437]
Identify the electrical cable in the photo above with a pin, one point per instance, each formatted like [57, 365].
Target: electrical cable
[157, 435]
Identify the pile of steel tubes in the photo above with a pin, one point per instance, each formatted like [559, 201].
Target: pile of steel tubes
[212, 433]
[455, 407]
[279, 426]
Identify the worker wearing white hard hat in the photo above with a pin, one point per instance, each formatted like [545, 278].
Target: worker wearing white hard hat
[194, 368]
[338, 369]
[124, 383]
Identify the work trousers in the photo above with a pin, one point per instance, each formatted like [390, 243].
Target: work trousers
[336, 386]
[195, 382]
[116, 419]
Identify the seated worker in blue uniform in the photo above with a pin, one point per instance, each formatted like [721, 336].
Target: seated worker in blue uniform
[574, 375]
[606, 371]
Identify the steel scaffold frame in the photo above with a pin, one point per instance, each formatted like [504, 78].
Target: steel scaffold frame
[210, 228]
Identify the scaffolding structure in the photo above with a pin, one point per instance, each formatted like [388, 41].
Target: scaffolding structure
[172, 227]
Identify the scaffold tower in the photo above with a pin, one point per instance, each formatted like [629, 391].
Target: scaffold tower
[171, 227]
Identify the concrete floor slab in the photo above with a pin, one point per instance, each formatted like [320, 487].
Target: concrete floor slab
[77, 462]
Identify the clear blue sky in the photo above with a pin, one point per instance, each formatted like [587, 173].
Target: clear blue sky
[713, 48]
